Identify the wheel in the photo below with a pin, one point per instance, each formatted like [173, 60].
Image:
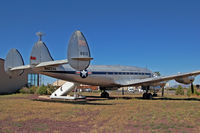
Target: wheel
[155, 95]
[104, 95]
[145, 95]
[107, 95]
[150, 96]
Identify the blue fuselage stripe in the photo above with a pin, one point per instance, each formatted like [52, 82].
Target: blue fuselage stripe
[104, 73]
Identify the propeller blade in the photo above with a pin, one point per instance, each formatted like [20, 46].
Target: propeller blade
[192, 88]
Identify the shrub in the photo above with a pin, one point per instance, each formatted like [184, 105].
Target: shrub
[50, 89]
[33, 89]
[172, 89]
[24, 90]
[189, 92]
[180, 90]
[197, 93]
[42, 90]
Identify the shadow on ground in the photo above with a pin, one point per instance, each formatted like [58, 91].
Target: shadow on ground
[89, 100]
[79, 101]
[169, 98]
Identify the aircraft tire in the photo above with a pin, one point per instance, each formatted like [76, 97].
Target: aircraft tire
[155, 95]
[105, 95]
[145, 95]
[150, 96]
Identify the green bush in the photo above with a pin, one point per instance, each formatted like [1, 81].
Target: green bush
[189, 92]
[50, 89]
[172, 89]
[33, 89]
[180, 90]
[42, 90]
[197, 93]
[24, 90]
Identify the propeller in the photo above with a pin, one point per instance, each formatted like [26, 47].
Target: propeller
[192, 88]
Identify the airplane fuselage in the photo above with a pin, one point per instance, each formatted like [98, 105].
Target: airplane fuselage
[99, 75]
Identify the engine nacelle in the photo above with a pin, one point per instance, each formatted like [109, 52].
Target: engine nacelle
[185, 80]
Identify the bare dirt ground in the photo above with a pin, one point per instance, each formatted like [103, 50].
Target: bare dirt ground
[20, 113]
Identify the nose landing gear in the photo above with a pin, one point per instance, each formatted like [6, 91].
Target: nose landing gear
[147, 96]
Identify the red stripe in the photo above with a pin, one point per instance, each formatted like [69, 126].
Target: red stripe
[77, 72]
[33, 58]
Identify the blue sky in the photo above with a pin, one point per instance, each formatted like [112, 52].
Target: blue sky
[163, 35]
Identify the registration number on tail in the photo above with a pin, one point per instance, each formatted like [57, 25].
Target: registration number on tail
[50, 68]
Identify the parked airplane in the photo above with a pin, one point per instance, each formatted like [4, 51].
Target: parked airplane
[77, 69]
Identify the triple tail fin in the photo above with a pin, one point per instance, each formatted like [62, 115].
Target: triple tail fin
[78, 56]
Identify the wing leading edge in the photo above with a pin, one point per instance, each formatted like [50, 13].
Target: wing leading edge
[151, 81]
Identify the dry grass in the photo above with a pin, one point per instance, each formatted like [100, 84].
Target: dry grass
[129, 113]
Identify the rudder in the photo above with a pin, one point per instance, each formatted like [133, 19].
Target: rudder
[40, 52]
[13, 59]
[78, 52]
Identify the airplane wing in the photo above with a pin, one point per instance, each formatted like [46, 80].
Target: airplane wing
[154, 80]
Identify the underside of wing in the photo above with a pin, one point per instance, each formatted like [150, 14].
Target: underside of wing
[154, 80]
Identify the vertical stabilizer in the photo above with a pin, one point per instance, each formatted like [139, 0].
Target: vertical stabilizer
[78, 52]
[40, 52]
[13, 59]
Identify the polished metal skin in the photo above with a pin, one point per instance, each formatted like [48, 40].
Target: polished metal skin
[101, 75]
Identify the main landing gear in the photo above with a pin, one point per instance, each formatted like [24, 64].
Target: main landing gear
[104, 94]
[147, 95]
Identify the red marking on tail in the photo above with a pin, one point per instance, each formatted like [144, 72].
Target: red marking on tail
[33, 58]
[82, 42]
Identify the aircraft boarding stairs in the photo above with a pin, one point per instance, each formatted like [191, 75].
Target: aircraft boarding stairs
[65, 89]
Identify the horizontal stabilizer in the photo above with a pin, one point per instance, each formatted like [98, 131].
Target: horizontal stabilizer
[43, 64]
[20, 68]
[52, 63]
